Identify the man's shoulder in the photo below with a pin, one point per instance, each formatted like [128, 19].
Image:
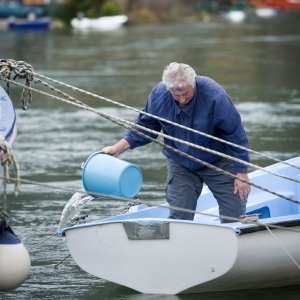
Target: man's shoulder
[159, 94]
[210, 88]
[159, 89]
[205, 81]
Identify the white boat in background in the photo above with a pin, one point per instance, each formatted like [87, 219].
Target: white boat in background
[144, 250]
[102, 23]
[235, 16]
[265, 12]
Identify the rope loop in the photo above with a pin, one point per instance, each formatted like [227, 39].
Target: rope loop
[18, 70]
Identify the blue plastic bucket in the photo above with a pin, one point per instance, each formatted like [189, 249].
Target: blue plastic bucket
[106, 174]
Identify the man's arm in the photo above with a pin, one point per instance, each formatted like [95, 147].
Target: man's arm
[116, 149]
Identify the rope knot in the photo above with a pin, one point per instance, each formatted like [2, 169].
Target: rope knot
[18, 70]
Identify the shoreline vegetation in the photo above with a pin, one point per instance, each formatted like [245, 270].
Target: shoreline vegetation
[152, 11]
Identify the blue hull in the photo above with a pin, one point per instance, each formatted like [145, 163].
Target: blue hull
[40, 24]
[7, 115]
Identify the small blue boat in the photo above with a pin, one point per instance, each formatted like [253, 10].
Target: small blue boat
[27, 24]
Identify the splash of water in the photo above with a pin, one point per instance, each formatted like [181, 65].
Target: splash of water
[72, 209]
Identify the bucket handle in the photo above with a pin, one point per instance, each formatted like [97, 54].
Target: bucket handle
[84, 162]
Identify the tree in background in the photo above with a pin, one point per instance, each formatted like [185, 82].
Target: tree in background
[90, 8]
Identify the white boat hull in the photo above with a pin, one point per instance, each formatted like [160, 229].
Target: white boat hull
[196, 258]
[146, 251]
[155, 266]
[102, 23]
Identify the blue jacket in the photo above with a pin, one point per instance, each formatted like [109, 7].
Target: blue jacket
[210, 111]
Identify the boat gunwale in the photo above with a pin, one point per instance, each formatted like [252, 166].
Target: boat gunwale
[239, 227]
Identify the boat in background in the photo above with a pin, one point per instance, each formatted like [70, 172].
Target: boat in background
[29, 23]
[146, 251]
[265, 12]
[102, 23]
[235, 16]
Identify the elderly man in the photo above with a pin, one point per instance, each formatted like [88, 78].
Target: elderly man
[202, 104]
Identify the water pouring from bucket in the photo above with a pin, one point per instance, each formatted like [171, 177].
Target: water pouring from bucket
[106, 174]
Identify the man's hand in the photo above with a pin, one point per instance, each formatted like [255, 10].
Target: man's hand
[116, 149]
[241, 187]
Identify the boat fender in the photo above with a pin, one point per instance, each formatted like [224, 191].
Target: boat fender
[14, 259]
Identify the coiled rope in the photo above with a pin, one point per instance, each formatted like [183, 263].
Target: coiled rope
[10, 68]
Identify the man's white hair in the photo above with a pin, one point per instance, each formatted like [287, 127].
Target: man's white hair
[178, 76]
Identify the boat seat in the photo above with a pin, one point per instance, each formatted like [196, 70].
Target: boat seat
[272, 206]
[263, 212]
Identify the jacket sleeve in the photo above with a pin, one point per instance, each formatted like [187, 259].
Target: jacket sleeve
[136, 140]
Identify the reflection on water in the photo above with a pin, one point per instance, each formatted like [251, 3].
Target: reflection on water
[258, 64]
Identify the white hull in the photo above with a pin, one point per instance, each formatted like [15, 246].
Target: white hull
[196, 258]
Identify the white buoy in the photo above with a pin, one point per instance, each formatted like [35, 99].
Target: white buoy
[14, 259]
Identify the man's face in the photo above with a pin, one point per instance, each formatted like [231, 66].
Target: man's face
[184, 95]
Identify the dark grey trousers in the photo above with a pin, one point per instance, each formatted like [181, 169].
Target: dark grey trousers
[184, 188]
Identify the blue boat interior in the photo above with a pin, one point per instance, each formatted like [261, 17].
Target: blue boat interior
[263, 203]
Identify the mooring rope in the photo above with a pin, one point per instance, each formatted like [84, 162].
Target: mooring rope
[26, 71]
[129, 125]
[283, 248]
[161, 119]
[124, 123]
[102, 196]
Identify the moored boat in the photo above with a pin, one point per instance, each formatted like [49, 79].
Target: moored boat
[144, 250]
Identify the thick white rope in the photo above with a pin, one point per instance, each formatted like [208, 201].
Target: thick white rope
[129, 125]
[161, 119]
[138, 201]
[25, 71]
